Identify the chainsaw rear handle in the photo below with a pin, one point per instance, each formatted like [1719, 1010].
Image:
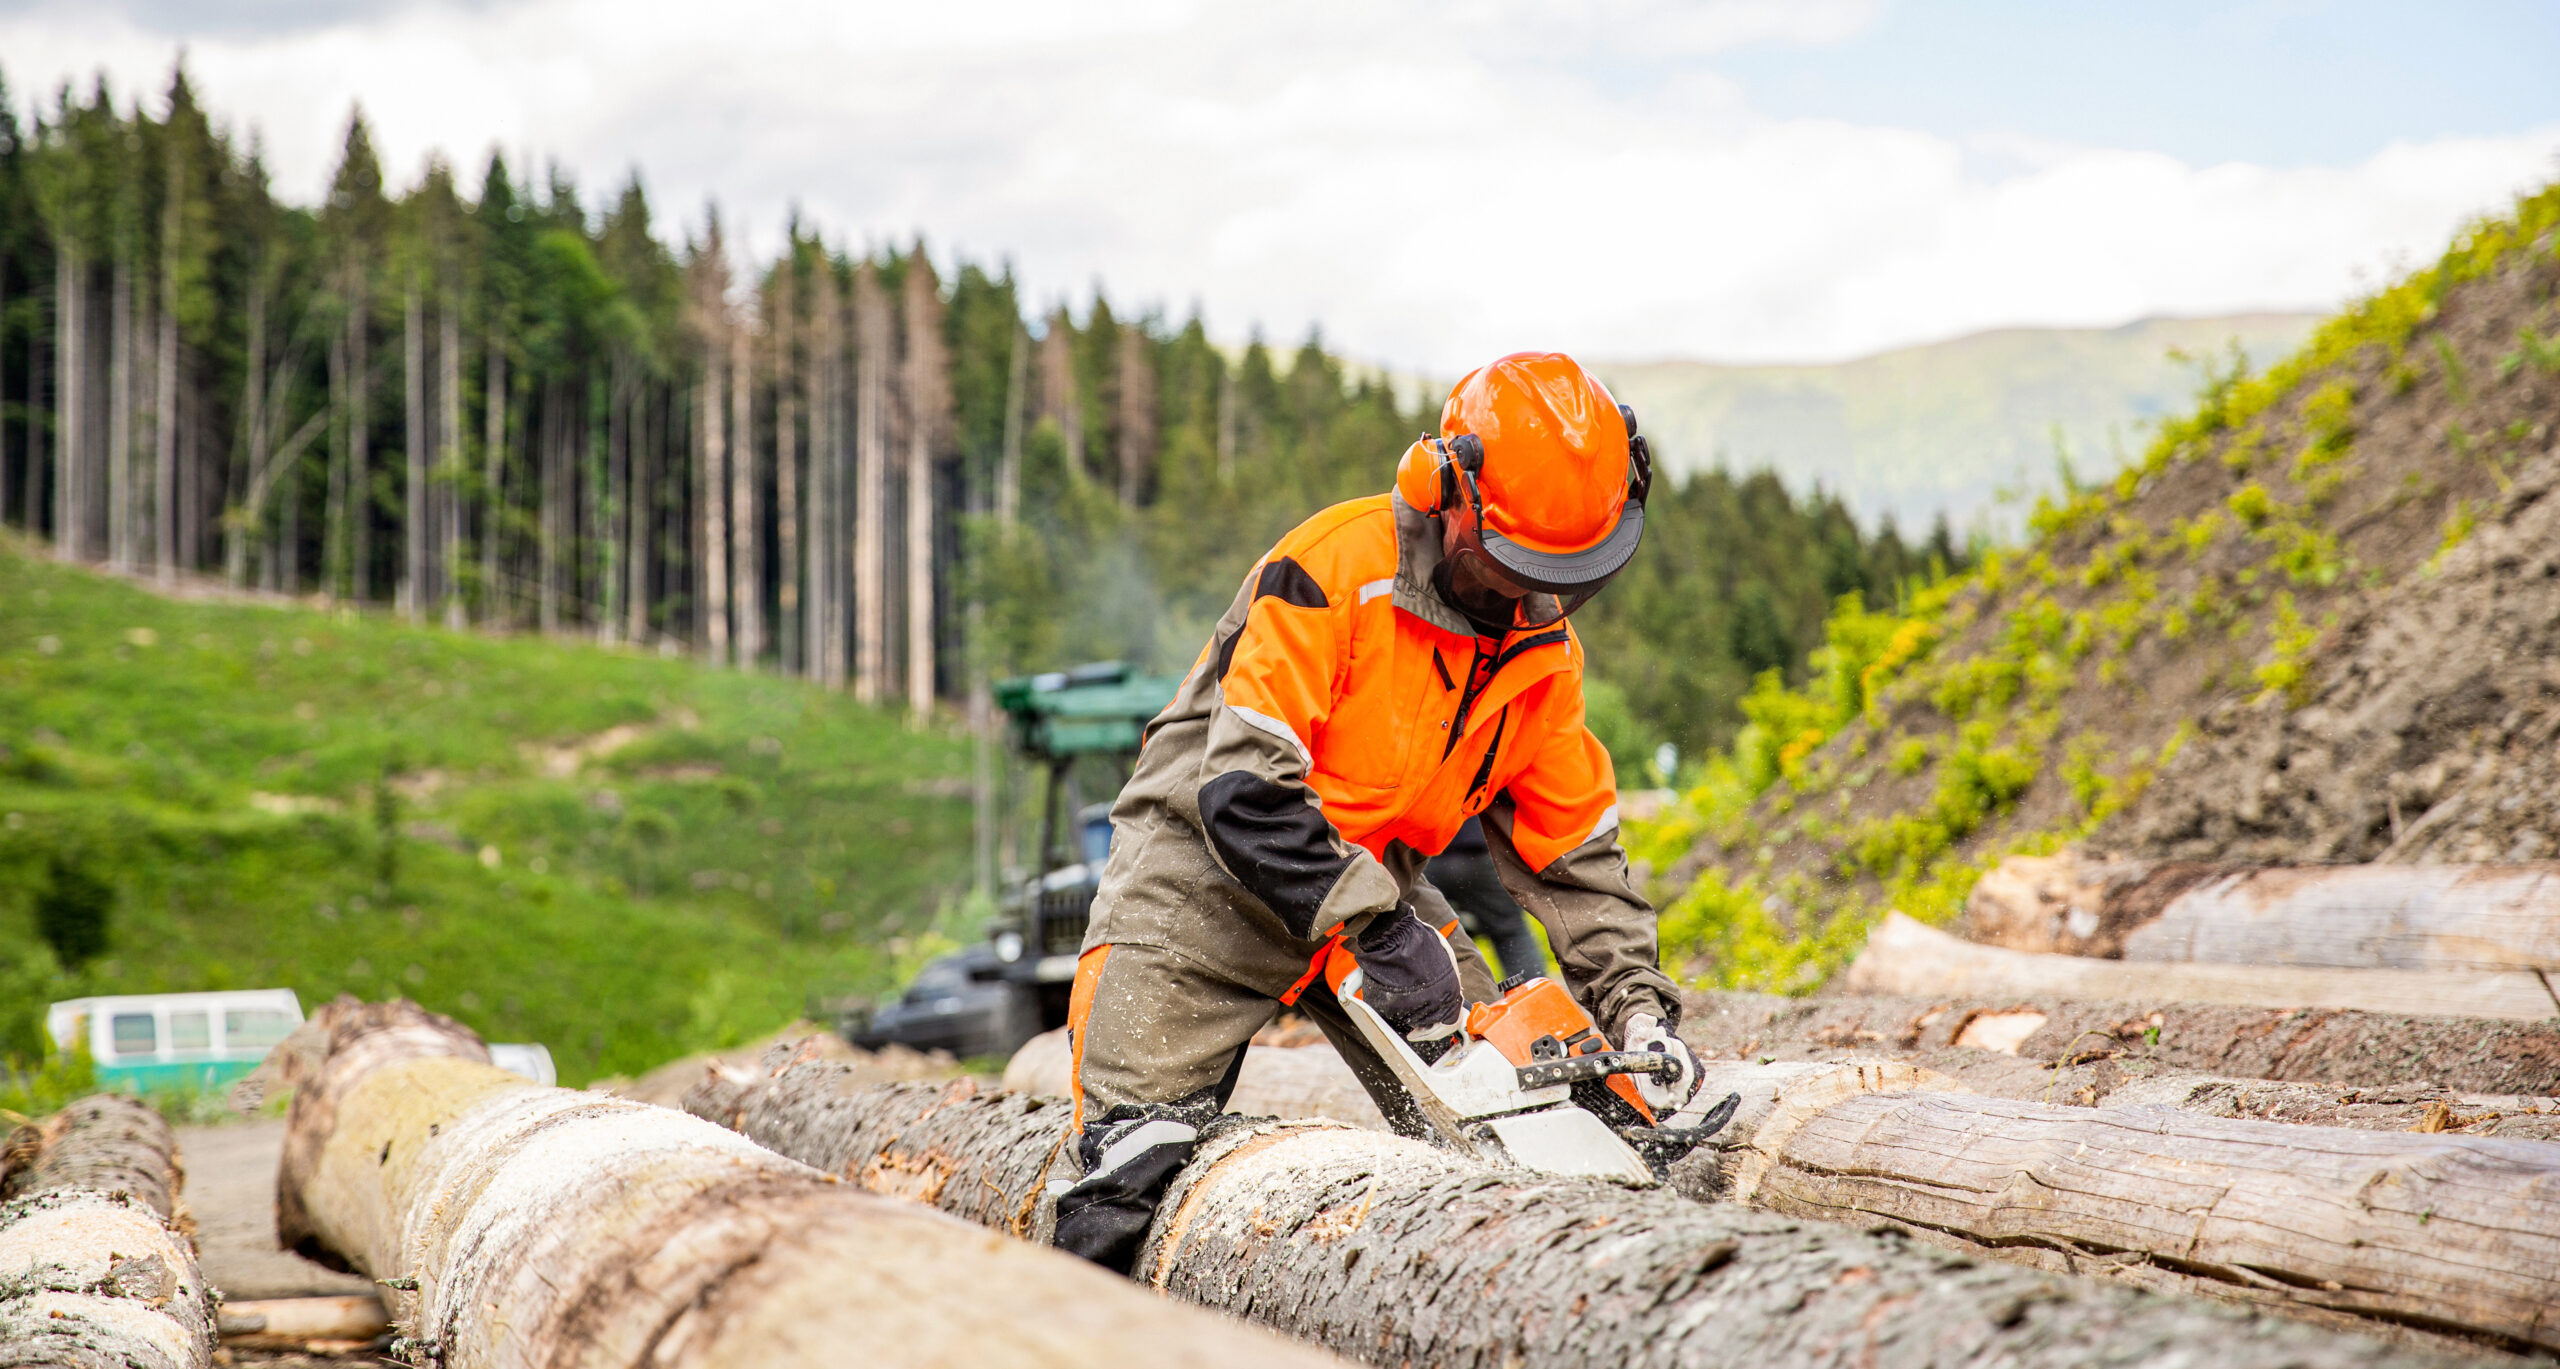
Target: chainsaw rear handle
[1597, 1065]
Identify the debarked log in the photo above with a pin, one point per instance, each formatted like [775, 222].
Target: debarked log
[2353, 1050]
[1903, 956]
[514, 1224]
[2447, 1233]
[96, 1269]
[1397, 1252]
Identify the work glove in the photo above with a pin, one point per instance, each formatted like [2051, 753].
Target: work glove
[1409, 974]
[1664, 1093]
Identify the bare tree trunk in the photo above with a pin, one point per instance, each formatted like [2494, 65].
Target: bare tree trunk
[448, 490]
[360, 439]
[164, 424]
[554, 457]
[1137, 417]
[96, 1262]
[1401, 1253]
[608, 532]
[493, 488]
[1059, 397]
[1226, 424]
[745, 545]
[819, 632]
[69, 296]
[640, 519]
[413, 513]
[871, 487]
[120, 381]
[786, 468]
[253, 406]
[33, 494]
[1009, 461]
[532, 1225]
[928, 396]
[713, 504]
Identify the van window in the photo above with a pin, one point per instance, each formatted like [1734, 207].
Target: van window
[191, 1031]
[254, 1028]
[135, 1034]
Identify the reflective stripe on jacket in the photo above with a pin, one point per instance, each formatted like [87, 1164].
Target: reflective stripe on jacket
[1343, 722]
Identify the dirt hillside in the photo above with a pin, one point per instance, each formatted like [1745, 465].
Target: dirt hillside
[2317, 621]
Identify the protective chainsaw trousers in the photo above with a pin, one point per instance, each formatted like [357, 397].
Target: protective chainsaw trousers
[1157, 1040]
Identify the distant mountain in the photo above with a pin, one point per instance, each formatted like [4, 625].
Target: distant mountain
[1946, 426]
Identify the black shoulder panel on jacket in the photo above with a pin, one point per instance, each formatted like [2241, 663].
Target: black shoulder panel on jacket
[1276, 844]
[1285, 579]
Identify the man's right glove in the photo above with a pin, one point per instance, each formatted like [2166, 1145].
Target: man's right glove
[1664, 1093]
[1409, 975]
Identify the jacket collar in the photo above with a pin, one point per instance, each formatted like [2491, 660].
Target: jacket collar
[1417, 556]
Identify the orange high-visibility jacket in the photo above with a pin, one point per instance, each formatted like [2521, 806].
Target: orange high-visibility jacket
[1343, 722]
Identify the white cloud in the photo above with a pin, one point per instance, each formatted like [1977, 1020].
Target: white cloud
[1432, 184]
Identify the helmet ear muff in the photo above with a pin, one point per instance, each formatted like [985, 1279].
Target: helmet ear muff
[1639, 459]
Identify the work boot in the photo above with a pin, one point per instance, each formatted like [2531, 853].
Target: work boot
[1130, 1158]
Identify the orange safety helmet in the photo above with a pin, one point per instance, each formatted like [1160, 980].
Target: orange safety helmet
[1546, 477]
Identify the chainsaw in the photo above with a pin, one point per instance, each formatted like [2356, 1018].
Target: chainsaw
[1529, 1080]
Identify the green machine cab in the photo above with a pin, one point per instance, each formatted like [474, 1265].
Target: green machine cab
[1080, 730]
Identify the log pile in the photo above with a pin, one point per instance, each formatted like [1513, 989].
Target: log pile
[515, 1224]
[97, 1264]
[1396, 1252]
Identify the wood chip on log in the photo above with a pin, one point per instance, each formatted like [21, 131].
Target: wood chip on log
[1903, 956]
[94, 1271]
[2304, 1045]
[1396, 1252]
[513, 1224]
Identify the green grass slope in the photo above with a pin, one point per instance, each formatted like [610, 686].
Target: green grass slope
[620, 856]
[2017, 708]
[1948, 426]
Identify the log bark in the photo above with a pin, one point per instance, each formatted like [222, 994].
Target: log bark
[1906, 957]
[97, 1267]
[2368, 917]
[1396, 1252]
[2353, 1050]
[514, 1224]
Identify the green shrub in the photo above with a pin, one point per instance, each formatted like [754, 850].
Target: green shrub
[73, 910]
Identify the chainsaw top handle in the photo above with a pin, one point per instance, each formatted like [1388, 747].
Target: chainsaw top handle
[1597, 1065]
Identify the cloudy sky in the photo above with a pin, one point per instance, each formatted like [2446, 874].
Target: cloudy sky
[1435, 182]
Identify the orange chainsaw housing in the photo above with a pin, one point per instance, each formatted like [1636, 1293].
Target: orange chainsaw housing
[1532, 1012]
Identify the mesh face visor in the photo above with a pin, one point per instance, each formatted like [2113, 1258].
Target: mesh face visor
[1545, 586]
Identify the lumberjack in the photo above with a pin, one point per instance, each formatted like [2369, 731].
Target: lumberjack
[1395, 666]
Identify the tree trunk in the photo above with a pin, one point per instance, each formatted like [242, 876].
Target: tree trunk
[713, 503]
[928, 394]
[642, 516]
[1906, 957]
[244, 517]
[819, 634]
[33, 494]
[1009, 463]
[2352, 1050]
[359, 440]
[493, 486]
[521, 1225]
[448, 485]
[786, 471]
[617, 495]
[871, 487]
[413, 512]
[1400, 1253]
[747, 581]
[164, 426]
[120, 412]
[97, 1264]
[71, 404]
[1137, 416]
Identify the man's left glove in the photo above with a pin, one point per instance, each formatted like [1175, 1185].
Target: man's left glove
[1409, 975]
[1664, 1093]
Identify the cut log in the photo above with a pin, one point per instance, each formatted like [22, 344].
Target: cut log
[2310, 1045]
[294, 1323]
[2085, 1054]
[514, 1224]
[1396, 1252]
[94, 1271]
[2377, 917]
[2451, 1233]
[2354, 917]
[1276, 1081]
[1903, 956]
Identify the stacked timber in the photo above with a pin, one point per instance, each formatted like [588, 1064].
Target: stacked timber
[97, 1263]
[515, 1224]
[1396, 1252]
